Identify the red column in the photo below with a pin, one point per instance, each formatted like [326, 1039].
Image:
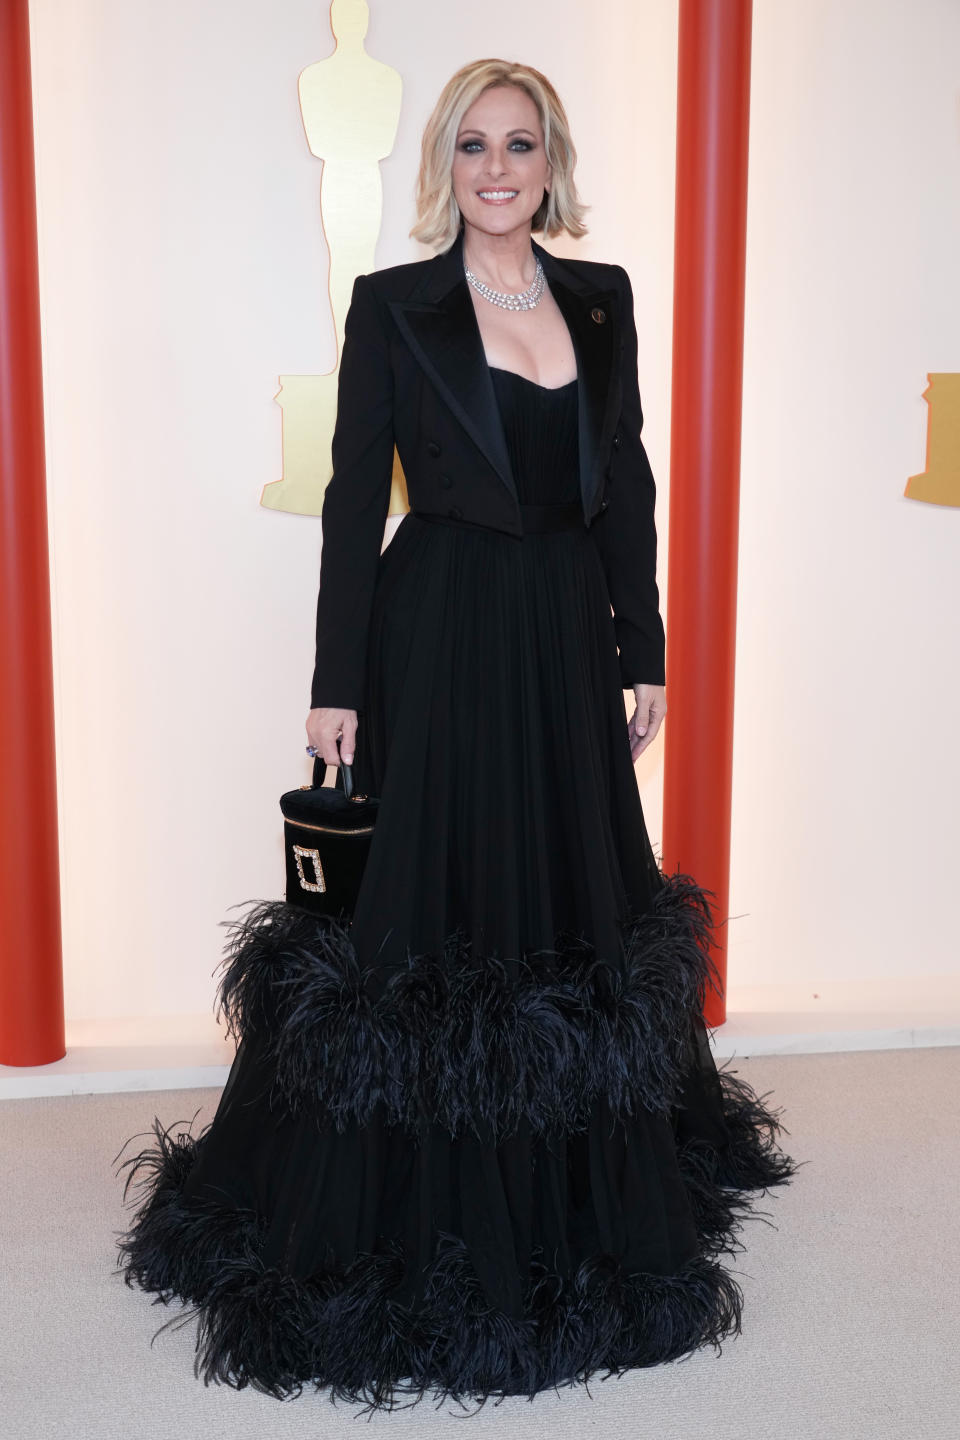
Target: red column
[713, 111]
[31, 978]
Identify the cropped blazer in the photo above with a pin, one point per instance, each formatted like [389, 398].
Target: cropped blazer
[414, 375]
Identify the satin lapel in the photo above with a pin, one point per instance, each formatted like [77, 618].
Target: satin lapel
[439, 324]
[445, 338]
[597, 347]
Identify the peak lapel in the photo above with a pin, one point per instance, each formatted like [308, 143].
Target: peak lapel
[439, 324]
[597, 346]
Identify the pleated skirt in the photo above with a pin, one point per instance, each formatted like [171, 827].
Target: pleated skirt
[474, 1141]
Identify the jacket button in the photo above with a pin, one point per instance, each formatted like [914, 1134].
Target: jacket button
[455, 512]
[598, 315]
[616, 442]
[433, 449]
[445, 481]
[604, 504]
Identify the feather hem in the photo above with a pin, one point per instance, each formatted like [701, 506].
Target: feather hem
[472, 1043]
[340, 1331]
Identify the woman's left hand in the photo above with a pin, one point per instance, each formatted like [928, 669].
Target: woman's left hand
[647, 718]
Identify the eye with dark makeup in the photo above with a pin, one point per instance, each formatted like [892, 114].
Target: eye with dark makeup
[466, 144]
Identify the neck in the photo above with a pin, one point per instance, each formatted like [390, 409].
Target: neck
[506, 262]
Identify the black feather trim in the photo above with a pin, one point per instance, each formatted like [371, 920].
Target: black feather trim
[720, 1179]
[340, 1330]
[470, 1042]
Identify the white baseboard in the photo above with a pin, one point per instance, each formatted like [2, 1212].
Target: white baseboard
[187, 1052]
[155, 1052]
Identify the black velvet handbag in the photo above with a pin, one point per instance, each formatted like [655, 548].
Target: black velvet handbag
[327, 832]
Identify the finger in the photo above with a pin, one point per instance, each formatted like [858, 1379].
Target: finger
[653, 729]
[331, 751]
[639, 734]
[644, 711]
[348, 742]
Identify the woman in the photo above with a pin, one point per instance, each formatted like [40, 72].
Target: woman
[485, 1148]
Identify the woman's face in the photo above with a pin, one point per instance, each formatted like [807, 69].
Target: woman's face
[500, 166]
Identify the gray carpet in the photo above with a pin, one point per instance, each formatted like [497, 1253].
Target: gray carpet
[851, 1314]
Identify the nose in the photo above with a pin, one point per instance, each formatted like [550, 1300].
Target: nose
[496, 164]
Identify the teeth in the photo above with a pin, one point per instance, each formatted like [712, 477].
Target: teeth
[497, 194]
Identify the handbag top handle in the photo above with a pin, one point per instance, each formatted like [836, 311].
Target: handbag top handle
[346, 774]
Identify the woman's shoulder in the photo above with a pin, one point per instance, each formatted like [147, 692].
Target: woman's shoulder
[393, 281]
[603, 274]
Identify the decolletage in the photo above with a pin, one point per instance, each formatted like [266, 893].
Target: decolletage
[542, 433]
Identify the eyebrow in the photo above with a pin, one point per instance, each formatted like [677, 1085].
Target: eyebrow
[472, 130]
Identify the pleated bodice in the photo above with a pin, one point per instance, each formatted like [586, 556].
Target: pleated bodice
[542, 435]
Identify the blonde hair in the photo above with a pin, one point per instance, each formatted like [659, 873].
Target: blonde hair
[438, 214]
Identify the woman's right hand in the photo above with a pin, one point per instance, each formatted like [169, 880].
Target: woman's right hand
[323, 727]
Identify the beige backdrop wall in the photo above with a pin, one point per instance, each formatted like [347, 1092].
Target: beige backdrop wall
[183, 270]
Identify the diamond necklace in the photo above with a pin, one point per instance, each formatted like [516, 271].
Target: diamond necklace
[526, 300]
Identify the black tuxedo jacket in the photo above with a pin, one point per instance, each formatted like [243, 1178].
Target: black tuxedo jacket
[413, 374]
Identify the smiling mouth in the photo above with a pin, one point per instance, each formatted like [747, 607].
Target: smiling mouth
[497, 197]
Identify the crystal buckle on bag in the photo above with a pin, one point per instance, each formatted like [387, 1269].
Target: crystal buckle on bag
[301, 853]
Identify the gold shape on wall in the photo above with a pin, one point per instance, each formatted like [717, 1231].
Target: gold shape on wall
[350, 106]
[939, 484]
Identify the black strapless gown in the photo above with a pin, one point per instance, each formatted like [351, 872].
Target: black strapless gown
[474, 1142]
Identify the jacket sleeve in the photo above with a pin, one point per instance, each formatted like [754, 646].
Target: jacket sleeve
[625, 531]
[355, 505]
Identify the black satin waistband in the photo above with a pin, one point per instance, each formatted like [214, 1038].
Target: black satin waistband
[535, 519]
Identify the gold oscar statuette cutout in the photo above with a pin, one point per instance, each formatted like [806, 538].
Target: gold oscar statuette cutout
[939, 484]
[350, 105]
